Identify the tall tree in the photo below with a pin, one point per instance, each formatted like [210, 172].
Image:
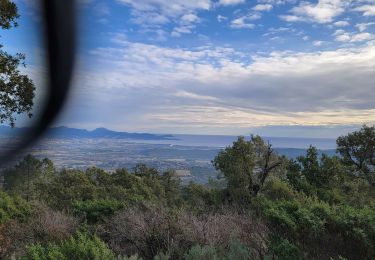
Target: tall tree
[21, 179]
[246, 166]
[16, 89]
[318, 171]
[358, 150]
[266, 161]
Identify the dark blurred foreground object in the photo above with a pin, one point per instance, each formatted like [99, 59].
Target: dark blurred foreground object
[59, 30]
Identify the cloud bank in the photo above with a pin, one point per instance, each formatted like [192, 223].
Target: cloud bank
[210, 87]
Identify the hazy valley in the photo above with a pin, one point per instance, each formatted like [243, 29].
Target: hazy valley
[189, 155]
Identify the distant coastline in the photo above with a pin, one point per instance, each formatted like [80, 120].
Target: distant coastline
[217, 141]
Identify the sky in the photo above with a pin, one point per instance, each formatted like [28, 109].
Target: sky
[271, 67]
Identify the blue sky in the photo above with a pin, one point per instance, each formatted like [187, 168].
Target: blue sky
[274, 67]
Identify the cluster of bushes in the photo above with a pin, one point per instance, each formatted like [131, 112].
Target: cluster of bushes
[262, 206]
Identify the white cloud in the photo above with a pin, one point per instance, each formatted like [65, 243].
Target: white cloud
[176, 8]
[338, 32]
[322, 12]
[241, 23]
[305, 38]
[318, 43]
[341, 23]
[221, 18]
[150, 18]
[291, 18]
[150, 13]
[189, 18]
[189, 95]
[158, 35]
[343, 36]
[360, 37]
[178, 31]
[231, 2]
[220, 87]
[367, 10]
[276, 2]
[363, 26]
[262, 7]
[273, 30]
[186, 25]
[254, 16]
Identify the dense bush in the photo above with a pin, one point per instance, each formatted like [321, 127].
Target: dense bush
[309, 224]
[13, 207]
[95, 210]
[235, 250]
[80, 246]
[283, 249]
[198, 252]
[42, 226]
[277, 189]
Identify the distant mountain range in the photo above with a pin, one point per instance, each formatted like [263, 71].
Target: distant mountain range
[218, 141]
[67, 132]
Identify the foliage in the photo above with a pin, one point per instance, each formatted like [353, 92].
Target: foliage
[16, 89]
[8, 15]
[358, 151]
[43, 225]
[95, 210]
[200, 198]
[81, 246]
[246, 166]
[136, 257]
[283, 249]
[308, 223]
[13, 207]
[24, 178]
[198, 252]
[162, 256]
[277, 189]
[236, 250]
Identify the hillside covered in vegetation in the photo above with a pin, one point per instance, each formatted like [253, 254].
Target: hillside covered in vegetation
[261, 206]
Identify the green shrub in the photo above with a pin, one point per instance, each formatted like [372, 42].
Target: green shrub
[96, 210]
[307, 223]
[276, 189]
[200, 197]
[356, 227]
[237, 250]
[278, 217]
[133, 257]
[332, 196]
[207, 252]
[283, 249]
[162, 256]
[80, 246]
[13, 208]
[66, 187]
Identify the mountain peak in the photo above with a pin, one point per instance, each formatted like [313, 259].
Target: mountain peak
[101, 132]
[100, 129]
